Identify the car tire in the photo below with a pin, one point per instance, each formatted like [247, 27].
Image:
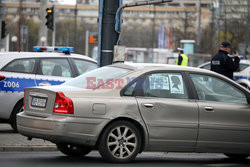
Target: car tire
[237, 156]
[120, 142]
[73, 150]
[17, 109]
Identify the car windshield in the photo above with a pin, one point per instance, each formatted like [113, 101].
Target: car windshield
[96, 78]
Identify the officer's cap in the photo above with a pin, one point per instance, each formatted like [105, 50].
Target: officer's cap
[226, 45]
[180, 49]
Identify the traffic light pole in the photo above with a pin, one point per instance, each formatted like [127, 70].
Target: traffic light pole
[54, 28]
[110, 26]
[107, 37]
[1, 20]
[43, 31]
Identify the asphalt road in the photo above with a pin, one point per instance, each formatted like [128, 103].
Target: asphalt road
[17, 151]
[54, 159]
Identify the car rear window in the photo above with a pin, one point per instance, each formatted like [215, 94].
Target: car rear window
[96, 78]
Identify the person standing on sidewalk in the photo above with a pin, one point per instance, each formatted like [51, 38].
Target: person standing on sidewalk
[224, 63]
[182, 58]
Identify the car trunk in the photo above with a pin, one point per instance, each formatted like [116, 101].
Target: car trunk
[39, 102]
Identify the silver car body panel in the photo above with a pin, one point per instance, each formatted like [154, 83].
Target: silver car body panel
[223, 126]
[171, 123]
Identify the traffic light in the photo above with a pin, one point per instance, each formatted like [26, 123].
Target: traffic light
[50, 18]
[3, 30]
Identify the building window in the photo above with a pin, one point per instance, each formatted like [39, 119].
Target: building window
[174, 4]
[204, 5]
[189, 4]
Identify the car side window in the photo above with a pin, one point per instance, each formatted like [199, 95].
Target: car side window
[55, 67]
[21, 66]
[164, 85]
[210, 88]
[84, 66]
[129, 91]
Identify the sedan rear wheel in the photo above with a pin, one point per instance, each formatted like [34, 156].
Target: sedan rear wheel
[120, 142]
[73, 150]
[237, 156]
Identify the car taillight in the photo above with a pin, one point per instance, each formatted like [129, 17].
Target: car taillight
[63, 104]
[2, 78]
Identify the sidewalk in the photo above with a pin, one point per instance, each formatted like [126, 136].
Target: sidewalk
[10, 141]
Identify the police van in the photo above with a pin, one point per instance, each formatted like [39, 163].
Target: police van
[19, 70]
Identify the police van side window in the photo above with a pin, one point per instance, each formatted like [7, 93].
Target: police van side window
[243, 67]
[84, 66]
[21, 66]
[55, 67]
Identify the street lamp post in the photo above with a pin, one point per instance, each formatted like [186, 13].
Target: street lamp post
[219, 20]
[199, 29]
[75, 25]
[13, 40]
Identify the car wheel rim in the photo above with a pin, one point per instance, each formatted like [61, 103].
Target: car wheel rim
[122, 142]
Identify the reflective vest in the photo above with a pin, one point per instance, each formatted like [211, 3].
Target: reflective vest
[184, 60]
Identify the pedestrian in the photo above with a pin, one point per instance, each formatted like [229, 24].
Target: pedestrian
[182, 58]
[224, 63]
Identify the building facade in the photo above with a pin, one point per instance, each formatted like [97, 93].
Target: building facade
[87, 10]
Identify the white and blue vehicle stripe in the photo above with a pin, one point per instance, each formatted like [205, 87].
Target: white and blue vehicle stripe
[18, 84]
[241, 77]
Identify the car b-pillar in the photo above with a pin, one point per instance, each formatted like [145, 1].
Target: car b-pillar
[107, 36]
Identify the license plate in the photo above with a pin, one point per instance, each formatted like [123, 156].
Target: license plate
[38, 102]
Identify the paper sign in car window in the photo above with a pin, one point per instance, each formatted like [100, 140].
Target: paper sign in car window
[176, 84]
[159, 81]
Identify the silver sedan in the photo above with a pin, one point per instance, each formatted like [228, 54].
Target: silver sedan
[124, 109]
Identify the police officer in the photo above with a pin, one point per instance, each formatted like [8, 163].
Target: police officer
[223, 62]
[182, 58]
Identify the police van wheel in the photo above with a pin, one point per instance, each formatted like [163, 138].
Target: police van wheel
[17, 109]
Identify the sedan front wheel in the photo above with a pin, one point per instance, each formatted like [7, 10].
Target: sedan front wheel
[73, 150]
[120, 142]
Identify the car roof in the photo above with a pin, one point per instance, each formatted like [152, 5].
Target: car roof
[151, 66]
[9, 56]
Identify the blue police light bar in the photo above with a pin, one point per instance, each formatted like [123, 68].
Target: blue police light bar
[53, 49]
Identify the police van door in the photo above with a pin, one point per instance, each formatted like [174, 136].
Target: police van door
[16, 75]
[53, 71]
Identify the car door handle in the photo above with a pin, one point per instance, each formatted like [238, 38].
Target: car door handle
[44, 84]
[148, 105]
[209, 109]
